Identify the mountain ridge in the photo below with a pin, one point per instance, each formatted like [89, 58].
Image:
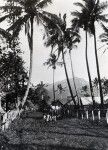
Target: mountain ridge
[80, 82]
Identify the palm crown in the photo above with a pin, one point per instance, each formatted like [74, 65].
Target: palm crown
[25, 12]
[51, 62]
[65, 38]
[22, 11]
[91, 11]
[104, 36]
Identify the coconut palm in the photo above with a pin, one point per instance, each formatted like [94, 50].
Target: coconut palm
[81, 21]
[25, 12]
[60, 38]
[104, 37]
[76, 39]
[73, 77]
[51, 62]
[91, 11]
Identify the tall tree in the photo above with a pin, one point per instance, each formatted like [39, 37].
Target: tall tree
[51, 62]
[26, 13]
[81, 21]
[59, 36]
[95, 15]
[91, 12]
[73, 77]
[75, 38]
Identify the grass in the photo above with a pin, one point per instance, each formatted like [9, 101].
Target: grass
[66, 134]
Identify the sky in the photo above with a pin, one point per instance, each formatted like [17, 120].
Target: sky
[41, 53]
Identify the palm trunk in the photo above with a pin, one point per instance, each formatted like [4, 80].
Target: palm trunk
[67, 78]
[73, 77]
[88, 71]
[53, 84]
[31, 61]
[98, 71]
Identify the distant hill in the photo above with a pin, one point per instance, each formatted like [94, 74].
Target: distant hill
[79, 83]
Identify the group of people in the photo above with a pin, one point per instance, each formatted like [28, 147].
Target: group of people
[48, 117]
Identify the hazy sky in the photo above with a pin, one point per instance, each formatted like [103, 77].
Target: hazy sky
[41, 73]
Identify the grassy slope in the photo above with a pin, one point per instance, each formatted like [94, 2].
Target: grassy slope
[69, 133]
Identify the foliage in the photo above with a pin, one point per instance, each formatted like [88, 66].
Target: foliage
[104, 37]
[105, 86]
[61, 37]
[25, 13]
[104, 82]
[22, 12]
[64, 38]
[60, 89]
[12, 72]
[38, 95]
[84, 90]
[91, 11]
[51, 62]
[13, 76]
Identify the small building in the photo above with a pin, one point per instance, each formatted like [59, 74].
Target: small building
[56, 107]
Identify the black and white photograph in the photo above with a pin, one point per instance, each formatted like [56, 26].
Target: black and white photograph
[53, 74]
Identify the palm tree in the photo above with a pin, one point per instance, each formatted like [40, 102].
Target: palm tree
[75, 39]
[81, 21]
[51, 62]
[26, 13]
[60, 37]
[92, 12]
[73, 77]
[104, 36]
[95, 15]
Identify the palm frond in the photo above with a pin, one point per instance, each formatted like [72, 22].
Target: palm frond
[51, 61]
[80, 5]
[76, 14]
[101, 18]
[5, 34]
[4, 17]
[38, 20]
[104, 28]
[104, 36]
[44, 3]
[104, 40]
[49, 21]
[102, 6]
[9, 9]
[55, 19]
[18, 1]
[20, 20]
